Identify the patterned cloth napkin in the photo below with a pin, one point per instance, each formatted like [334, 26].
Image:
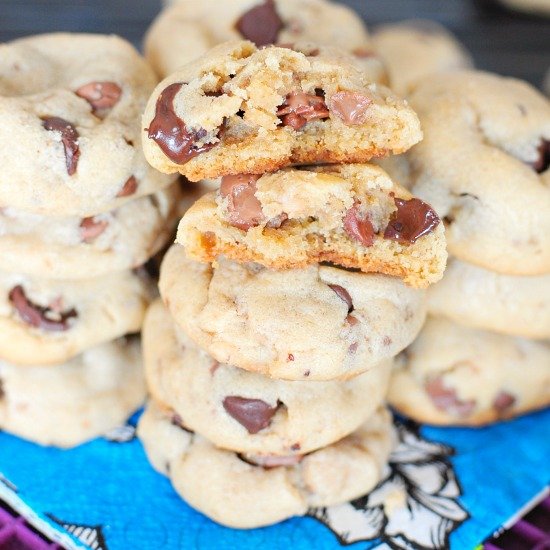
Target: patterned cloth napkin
[444, 488]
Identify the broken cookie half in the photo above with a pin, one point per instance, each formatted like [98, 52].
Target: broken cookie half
[239, 109]
[349, 215]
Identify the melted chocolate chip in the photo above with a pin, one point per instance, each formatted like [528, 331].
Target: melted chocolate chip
[100, 95]
[129, 188]
[243, 208]
[45, 318]
[261, 24]
[503, 401]
[90, 228]
[69, 138]
[351, 107]
[543, 162]
[170, 132]
[253, 414]
[412, 219]
[343, 294]
[446, 399]
[358, 226]
[299, 108]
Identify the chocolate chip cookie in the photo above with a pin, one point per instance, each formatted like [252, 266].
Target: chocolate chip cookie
[483, 165]
[246, 491]
[240, 110]
[508, 304]
[453, 375]
[317, 323]
[43, 321]
[187, 30]
[69, 403]
[70, 140]
[81, 248]
[247, 412]
[412, 50]
[351, 215]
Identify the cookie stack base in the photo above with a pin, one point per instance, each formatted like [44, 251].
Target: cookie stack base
[234, 491]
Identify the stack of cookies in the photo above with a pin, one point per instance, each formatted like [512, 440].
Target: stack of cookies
[484, 165]
[293, 285]
[81, 210]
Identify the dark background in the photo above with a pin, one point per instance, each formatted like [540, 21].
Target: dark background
[500, 40]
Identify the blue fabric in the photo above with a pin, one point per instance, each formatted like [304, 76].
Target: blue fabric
[110, 486]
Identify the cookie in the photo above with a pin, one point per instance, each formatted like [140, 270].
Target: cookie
[316, 323]
[43, 321]
[187, 30]
[483, 166]
[536, 7]
[412, 50]
[69, 403]
[239, 110]
[478, 298]
[247, 412]
[70, 140]
[245, 491]
[82, 248]
[454, 375]
[351, 215]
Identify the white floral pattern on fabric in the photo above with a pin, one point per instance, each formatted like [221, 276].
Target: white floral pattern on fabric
[416, 505]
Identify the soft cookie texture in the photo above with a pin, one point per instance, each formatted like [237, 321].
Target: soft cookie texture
[76, 248]
[70, 140]
[453, 375]
[414, 49]
[69, 403]
[187, 30]
[240, 110]
[245, 492]
[350, 215]
[508, 304]
[483, 166]
[317, 323]
[43, 321]
[247, 412]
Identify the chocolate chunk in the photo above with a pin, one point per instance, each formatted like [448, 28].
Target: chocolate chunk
[244, 209]
[358, 226]
[352, 350]
[277, 221]
[69, 137]
[503, 401]
[343, 294]
[177, 420]
[299, 108]
[445, 399]
[412, 219]
[351, 107]
[2, 390]
[47, 318]
[543, 162]
[363, 53]
[129, 188]
[253, 414]
[90, 228]
[170, 133]
[351, 320]
[261, 24]
[100, 95]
